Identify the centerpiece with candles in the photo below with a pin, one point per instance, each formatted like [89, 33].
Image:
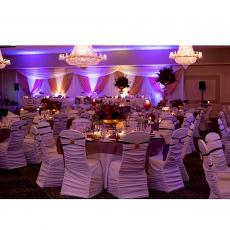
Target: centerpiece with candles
[108, 113]
[52, 106]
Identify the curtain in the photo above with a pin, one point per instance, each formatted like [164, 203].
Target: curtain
[170, 89]
[37, 86]
[66, 82]
[22, 80]
[53, 85]
[155, 85]
[137, 85]
[84, 82]
[101, 83]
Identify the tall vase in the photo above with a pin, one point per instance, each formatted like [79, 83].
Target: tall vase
[165, 95]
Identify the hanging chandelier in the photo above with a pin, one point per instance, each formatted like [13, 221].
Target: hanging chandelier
[3, 62]
[185, 56]
[83, 56]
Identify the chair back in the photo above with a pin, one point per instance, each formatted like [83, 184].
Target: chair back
[135, 145]
[166, 128]
[60, 123]
[188, 140]
[73, 144]
[45, 134]
[222, 128]
[81, 124]
[29, 117]
[27, 102]
[188, 121]
[209, 171]
[176, 148]
[17, 135]
[215, 148]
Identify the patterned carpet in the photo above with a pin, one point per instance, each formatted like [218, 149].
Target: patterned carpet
[20, 183]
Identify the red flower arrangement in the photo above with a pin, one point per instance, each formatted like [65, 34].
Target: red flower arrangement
[105, 111]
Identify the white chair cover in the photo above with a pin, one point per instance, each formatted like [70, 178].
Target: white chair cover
[52, 169]
[81, 124]
[60, 123]
[127, 177]
[225, 140]
[219, 184]
[215, 149]
[83, 177]
[166, 128]
[11, 152]
[196, 126]
[166, 175]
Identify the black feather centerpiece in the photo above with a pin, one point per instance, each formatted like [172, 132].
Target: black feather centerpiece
[166, 76]
[122, 82]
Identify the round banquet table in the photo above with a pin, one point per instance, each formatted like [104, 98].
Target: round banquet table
[110, 151]
[4, 134]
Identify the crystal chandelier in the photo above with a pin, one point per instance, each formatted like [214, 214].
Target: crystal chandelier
[3, 62]
[82, 56]
[185, 56]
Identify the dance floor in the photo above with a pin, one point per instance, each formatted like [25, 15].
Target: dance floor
[20, 183]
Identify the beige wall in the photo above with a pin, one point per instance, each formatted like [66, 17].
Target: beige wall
[217, 78]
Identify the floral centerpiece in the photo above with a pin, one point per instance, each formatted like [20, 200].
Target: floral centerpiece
[108, 113]
[47, 104]
[122, 82]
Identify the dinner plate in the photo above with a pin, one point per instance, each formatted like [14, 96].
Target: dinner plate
[89, 139]
[106, 140]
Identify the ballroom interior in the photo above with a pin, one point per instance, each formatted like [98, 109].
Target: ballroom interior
[114, 121]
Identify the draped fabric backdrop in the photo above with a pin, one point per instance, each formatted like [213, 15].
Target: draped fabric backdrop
[22, 80]
[170, 91]
[37, 86]
[101, 84]
[73, 84]
[53, 85]
[84, 82]
[154, 84]
[66, 82]
[137, 85]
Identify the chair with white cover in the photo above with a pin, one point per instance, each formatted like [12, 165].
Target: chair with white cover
[196, 132]
[29, 117]
[188, 121]
[225, 140]
[52, 168]
[81, 124]
[218, 183]
[131, 125]
[27, 102]
[166, 175]
[30, 150]
[60, 123]
[82, 177]
[11, 151]
[186, 150]
[222, 117]
[166, 128]
[215, 149]
[127, 177]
